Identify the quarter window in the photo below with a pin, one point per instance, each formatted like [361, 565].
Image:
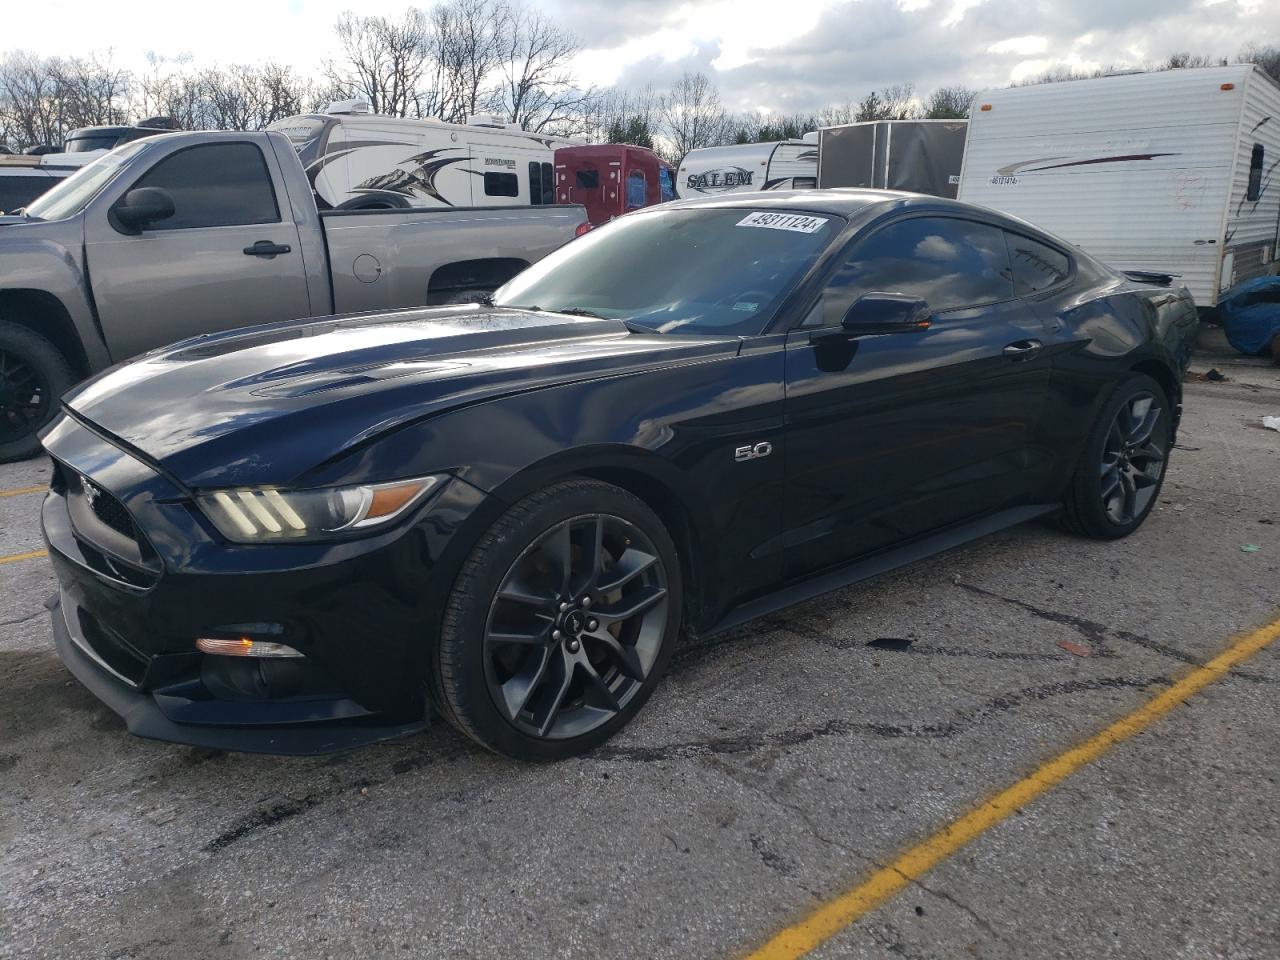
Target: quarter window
[214, 185]
[501, 185]
[1254, 190]
[949, 263]
[1035, 266]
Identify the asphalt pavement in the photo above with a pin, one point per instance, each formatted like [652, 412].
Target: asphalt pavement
[775, 769]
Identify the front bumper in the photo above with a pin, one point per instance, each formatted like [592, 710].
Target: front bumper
[133, 599]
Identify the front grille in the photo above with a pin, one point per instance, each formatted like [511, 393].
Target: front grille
[111, 512]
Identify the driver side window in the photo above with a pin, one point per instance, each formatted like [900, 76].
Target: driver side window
[214, 185]
[947, 262]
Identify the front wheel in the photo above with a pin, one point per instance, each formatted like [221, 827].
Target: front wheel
[560, 623]
[33, 374]
[1120, 473]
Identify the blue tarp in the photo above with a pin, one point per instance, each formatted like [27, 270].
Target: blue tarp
[1250, 313]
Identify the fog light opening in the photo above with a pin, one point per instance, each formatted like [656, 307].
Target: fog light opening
[244, 647]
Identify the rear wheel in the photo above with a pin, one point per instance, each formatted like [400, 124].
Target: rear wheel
[33, 375]
[560, 623]
[1120, 474]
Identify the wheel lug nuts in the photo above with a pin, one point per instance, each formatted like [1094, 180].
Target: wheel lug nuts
[593, 624]
[574, 646]
[564, 607]
[555, 634]
[586, 601]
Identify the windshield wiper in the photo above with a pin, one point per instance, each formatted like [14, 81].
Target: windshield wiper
[578, 312]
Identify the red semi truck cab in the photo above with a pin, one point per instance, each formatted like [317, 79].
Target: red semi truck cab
[611, 178]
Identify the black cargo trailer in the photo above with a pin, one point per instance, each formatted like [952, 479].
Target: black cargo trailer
[921, 156]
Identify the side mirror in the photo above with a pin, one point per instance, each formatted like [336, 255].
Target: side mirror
[142, 207]
[886, 313]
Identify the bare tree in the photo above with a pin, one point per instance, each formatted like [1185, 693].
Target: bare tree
[538, 89]
[383, 60]
[691, 116]
[92, 90]
[30, 104]
[1268, 58]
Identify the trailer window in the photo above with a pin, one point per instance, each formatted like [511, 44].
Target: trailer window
[1254, 190]
[804, 183]
[541, 184]
[1035, 266]
[501, 185]
[635, 189]
[588, 179]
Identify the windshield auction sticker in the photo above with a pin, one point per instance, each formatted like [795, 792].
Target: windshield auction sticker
[795, 222]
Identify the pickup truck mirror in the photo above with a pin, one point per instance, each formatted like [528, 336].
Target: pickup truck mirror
[886, 313]
[141, 207]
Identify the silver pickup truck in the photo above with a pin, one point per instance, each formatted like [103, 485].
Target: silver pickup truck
[190, 233]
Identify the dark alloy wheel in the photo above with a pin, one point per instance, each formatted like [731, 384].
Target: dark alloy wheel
[1123, 465]
[33, 375]
[576, 626]
[1132, 459]
[560, 623]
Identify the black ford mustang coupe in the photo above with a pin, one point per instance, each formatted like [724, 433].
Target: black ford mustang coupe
[300, 537]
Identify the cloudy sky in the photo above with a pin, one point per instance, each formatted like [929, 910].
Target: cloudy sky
[766, 56]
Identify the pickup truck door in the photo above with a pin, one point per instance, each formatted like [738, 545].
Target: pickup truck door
[228, 257]
[894, 436]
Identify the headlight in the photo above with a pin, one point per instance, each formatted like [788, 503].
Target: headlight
[253, 515]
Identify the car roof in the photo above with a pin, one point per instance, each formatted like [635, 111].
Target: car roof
[849, 202]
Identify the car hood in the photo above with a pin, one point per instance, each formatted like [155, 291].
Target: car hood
[266, 404]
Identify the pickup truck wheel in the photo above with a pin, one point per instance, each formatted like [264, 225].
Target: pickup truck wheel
[560, 623]
[1118, 479]
[33, 375]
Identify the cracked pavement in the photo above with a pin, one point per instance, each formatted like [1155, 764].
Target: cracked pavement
[775, 767]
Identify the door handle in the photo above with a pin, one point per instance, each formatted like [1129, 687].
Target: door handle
[267, 249]
[1023, 349]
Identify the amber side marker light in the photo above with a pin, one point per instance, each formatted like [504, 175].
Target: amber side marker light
[985, 107]
[1227, 86]
[244, 647]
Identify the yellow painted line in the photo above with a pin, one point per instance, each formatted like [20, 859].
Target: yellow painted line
[849, 907]
[22, 491]
[24, 556]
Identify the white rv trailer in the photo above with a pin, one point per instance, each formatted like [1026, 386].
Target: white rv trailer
[23, 177]
[1171, 172]
[358, 160]
[743, 167]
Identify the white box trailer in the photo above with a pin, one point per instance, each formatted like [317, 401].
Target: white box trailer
[1170, 172]
[746, 167]
[920, 156]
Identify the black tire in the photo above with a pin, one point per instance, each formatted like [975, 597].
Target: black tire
[1117, 454]
[582, 685]
[33, 375]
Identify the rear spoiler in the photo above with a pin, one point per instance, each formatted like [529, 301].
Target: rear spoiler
[1148, 276]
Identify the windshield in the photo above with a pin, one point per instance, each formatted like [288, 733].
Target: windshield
[71, 194]
[693, 271]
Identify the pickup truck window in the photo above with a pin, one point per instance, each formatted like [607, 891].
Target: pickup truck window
[215, 185]
[70, 196]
